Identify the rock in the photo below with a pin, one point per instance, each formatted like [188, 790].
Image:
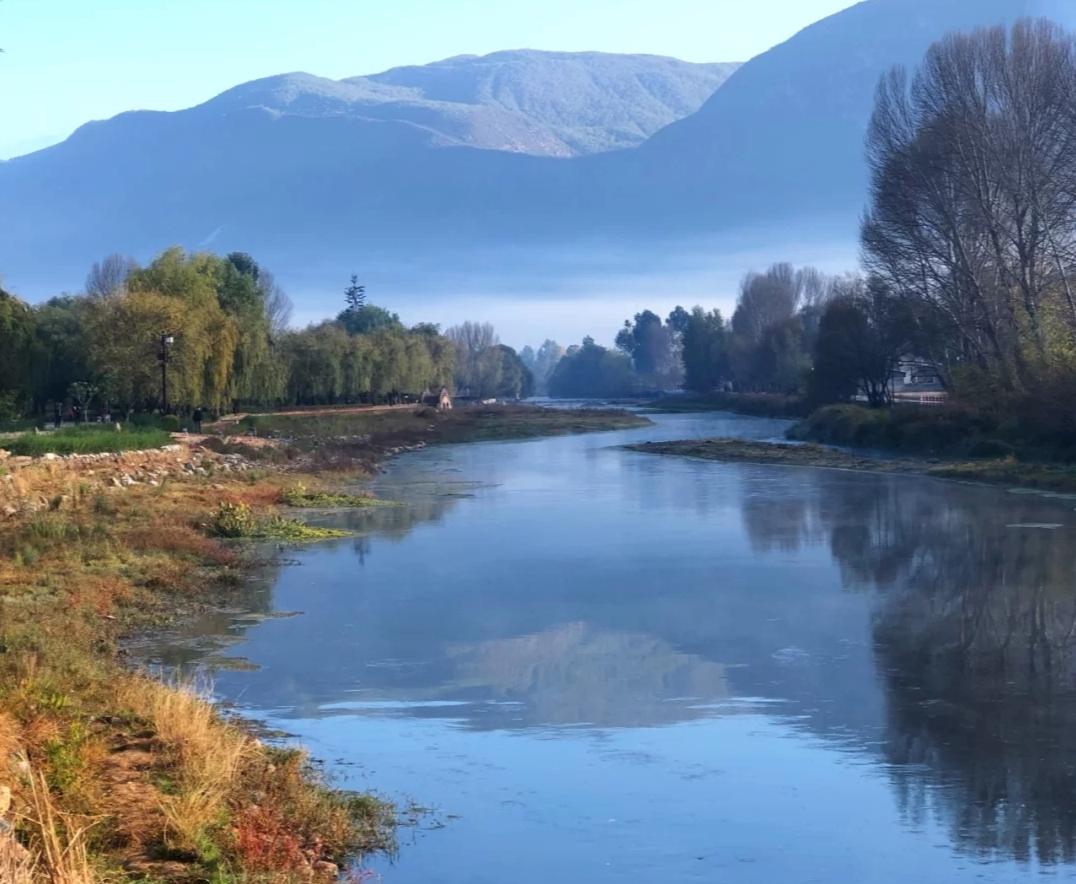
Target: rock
[50, 456]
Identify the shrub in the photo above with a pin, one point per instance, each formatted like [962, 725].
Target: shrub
[991, 449]
[234, 520]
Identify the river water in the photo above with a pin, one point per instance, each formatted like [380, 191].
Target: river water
[591, 665]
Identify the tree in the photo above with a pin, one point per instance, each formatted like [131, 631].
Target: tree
[652, 348]
[592, 371]
[109, 276]
[355, 294]
[541, 363]
[278, 306]
[765, 300]
[16, 352]
[862, 336]
[972, 220]
[367, 319]
[62, 347]
[478, 367]
[514, 379]
[705, 351]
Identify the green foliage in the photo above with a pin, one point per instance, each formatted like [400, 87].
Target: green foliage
[592, 371]
[234, 520]
[328, 365]
[652, 349]
[366, 319]
[237, 521]
[705, 342]
[17, 340]
[300, 496]
[89, 439]
[355, 294]
[949, 431]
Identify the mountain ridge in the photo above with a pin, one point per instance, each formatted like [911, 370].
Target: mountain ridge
[312, 175]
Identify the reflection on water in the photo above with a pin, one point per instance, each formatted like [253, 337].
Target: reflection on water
[621, 667]
[974, 631]
[575, 674]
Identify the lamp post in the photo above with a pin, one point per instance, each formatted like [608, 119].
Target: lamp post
[166, 341]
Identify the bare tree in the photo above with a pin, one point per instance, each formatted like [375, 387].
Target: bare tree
[973, 197]
[477, 365]
[109, 276]
[278, 306]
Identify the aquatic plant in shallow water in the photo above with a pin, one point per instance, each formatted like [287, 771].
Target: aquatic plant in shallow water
[236, 521]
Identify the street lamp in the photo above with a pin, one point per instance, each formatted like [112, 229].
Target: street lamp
[166, 341]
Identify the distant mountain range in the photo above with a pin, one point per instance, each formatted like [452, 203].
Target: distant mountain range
[492, 171]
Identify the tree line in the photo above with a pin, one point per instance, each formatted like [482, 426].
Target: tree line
[768, 345]
[221, 326]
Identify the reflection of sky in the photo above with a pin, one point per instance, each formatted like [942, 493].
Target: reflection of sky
[613, 664]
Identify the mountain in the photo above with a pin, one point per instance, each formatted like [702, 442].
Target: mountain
[787, 130]
[543, 103]
[509, 174]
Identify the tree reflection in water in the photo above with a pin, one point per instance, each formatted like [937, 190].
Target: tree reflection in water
[974, 635]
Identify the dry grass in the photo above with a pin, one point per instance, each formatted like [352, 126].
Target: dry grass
[208, 755]
[16, 866]
[57, 851]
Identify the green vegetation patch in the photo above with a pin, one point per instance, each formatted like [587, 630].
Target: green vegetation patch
[236, 521]
[86, 440]
[302, 497]
[949, 431]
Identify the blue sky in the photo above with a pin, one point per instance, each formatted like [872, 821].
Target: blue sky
[69, 61]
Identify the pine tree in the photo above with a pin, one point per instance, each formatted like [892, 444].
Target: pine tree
[355, 294]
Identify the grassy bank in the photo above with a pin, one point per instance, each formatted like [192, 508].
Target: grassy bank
[755, 404]
[93, 439]
[1045, 477]
[473, 424]
[114, 774]
[117, 772]
[950, 431]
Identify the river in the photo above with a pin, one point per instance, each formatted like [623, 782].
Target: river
[598, 666]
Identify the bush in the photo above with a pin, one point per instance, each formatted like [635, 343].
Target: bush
[950, 430]
[991, 449]
[234, 520]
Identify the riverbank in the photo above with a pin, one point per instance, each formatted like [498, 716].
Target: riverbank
[113, 774]
[1043, 477]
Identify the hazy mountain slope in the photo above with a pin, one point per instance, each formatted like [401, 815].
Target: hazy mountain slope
[588, 101]
[395, 170]
[542, 103]
[785, 133]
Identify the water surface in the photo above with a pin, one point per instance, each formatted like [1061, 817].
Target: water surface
[602, 666]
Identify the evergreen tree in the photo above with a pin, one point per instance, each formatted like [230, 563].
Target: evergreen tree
[355, 294]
